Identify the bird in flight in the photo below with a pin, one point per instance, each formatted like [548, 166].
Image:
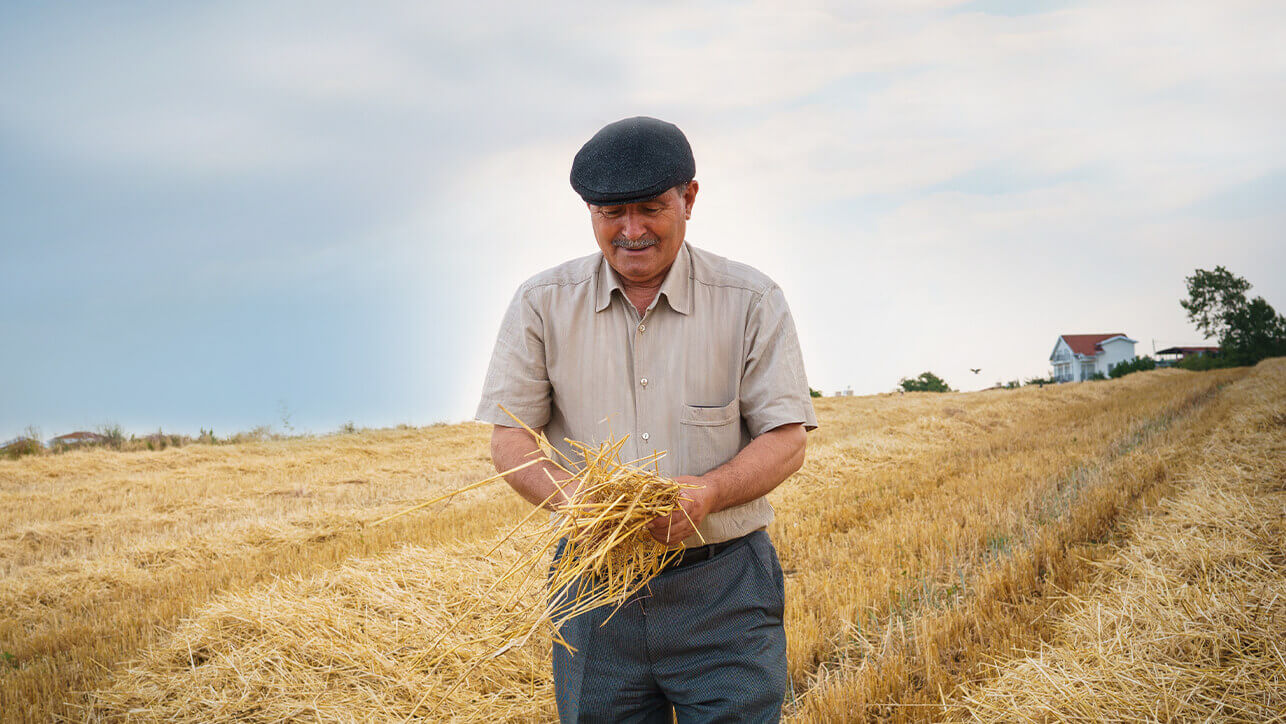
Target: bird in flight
[975, 371]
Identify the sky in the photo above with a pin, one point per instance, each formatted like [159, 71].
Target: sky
[300, 214]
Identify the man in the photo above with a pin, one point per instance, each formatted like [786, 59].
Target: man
[685, 352]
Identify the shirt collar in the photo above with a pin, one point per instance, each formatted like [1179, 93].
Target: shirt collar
[677, 287]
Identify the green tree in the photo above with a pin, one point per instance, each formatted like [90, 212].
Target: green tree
[1248, 330]
[926, 382]
[1255, 331]
[814, 393]
[1212, 295]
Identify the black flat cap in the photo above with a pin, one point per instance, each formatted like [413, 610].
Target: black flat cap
[632, 160]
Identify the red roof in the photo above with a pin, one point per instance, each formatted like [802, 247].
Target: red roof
[1088, 344]
[78, 436]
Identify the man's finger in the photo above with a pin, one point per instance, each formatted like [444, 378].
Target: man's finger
[673, 535]
[661, 522]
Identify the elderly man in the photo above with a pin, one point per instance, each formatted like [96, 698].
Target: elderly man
[685, 352]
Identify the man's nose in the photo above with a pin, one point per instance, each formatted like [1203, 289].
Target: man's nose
[634, 228]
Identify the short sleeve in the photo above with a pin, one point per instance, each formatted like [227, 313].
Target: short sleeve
[517, 376]
[774, 388]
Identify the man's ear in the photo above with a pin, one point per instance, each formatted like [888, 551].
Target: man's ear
[689, 198]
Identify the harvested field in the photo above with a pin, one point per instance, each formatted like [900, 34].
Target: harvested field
[1187, 621]
[931, 543]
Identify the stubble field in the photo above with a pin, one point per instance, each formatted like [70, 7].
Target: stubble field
[948, 556]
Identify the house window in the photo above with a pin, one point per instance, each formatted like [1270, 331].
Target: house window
[1063, 372]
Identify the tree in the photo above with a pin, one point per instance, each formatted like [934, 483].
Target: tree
[1255, 331]
[1212, 295]
[814, 393]
[1248, 330]
[926, 382]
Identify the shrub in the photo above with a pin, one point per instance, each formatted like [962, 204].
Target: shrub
[1041, 381]
[814, 393]
[926, 382]
[114, 434]
[27, 444]
[1138, 364]
[1208, 361]
[258, 434]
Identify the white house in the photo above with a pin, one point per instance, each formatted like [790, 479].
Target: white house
[1077, 357]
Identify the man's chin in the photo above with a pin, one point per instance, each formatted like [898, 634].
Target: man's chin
[634, 257]
[633, 269]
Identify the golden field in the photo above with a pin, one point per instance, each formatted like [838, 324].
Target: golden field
[946, 556]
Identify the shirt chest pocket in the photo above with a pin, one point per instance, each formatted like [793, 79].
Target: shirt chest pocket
[711, 416]
[710, 436]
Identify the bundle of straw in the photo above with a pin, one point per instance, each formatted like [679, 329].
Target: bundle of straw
[608, 555]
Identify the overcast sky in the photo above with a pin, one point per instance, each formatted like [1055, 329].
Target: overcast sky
[226, 214]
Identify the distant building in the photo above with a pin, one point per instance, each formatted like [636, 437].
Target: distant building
[78, 438]
[1077, 357]
[1170, 355]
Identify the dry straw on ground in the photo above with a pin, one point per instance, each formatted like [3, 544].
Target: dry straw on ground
[1188, 621]
[937, 562]
[348, 645]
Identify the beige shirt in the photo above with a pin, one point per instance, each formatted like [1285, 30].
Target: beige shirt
[713, 363]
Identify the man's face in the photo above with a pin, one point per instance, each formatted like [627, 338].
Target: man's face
[641, 240]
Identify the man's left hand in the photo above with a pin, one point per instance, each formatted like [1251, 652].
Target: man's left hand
[696, 504]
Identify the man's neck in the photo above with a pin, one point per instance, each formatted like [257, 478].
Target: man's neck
[641, 296]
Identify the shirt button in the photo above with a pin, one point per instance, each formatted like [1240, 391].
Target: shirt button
[642, 327]
[644, 436]
[643, 382]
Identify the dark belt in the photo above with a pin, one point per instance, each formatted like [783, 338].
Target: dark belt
[690, 556]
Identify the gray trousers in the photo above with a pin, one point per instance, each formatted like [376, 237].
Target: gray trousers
[706, 639]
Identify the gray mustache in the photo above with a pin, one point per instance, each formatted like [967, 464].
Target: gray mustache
[640, 243]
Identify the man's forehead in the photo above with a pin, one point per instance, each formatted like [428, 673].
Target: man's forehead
[662, 198]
